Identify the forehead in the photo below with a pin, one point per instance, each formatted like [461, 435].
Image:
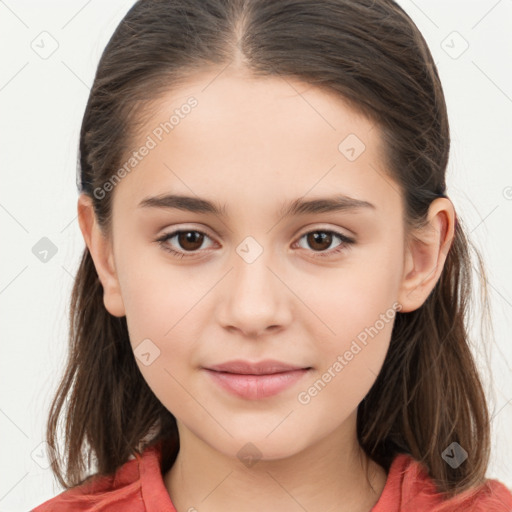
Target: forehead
[260, 107]
[266, 137]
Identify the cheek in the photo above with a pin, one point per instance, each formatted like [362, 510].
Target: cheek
[356, 310]
[349, 361]
[156, 294]
[352, 298]
[158, 306]
[163, 304]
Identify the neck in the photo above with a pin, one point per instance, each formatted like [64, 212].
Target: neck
[333, 475]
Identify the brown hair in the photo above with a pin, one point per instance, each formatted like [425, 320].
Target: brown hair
[428, 393]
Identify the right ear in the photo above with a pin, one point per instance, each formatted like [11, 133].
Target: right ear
[100, 248]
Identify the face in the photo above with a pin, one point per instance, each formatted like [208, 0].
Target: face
[315, 287]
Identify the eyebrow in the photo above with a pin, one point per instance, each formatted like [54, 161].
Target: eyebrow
[299, 206]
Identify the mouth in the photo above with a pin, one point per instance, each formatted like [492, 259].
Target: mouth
[255, 381]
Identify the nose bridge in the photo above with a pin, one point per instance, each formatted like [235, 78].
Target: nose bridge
[252, 276]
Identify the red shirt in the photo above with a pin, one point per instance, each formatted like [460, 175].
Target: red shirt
[138, 486]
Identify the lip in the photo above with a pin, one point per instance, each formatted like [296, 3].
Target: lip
[257, 380]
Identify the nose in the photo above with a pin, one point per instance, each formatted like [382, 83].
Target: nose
[254, 298]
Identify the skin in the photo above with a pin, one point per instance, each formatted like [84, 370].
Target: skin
[289, 304]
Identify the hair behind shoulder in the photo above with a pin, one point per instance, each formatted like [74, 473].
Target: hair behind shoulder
[428, 393]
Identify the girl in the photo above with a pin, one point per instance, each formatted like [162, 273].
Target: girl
[223, 355]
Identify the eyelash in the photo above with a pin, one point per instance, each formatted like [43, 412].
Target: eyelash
[345, 244]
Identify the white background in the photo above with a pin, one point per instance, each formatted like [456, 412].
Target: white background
[42, 102]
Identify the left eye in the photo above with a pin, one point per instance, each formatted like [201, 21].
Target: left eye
[320, 240]
[190, 241]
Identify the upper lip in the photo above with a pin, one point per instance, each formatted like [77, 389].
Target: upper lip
[268, 366]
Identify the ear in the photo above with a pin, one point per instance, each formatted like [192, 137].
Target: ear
[100, 247]
[426, 252]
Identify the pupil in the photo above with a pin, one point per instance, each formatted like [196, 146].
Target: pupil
[190, 237]
[317, 238]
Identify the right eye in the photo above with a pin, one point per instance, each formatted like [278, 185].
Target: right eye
[189, 240]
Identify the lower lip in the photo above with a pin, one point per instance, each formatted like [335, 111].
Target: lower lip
[254, 387]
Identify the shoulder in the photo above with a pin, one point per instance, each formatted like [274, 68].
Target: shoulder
[136, 486]
[410, 489]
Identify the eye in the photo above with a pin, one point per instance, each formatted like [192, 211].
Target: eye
[189, 240]
[320, 240]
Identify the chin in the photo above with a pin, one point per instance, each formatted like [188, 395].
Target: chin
[250, 450]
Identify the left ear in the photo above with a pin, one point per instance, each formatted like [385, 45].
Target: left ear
[426, 252]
